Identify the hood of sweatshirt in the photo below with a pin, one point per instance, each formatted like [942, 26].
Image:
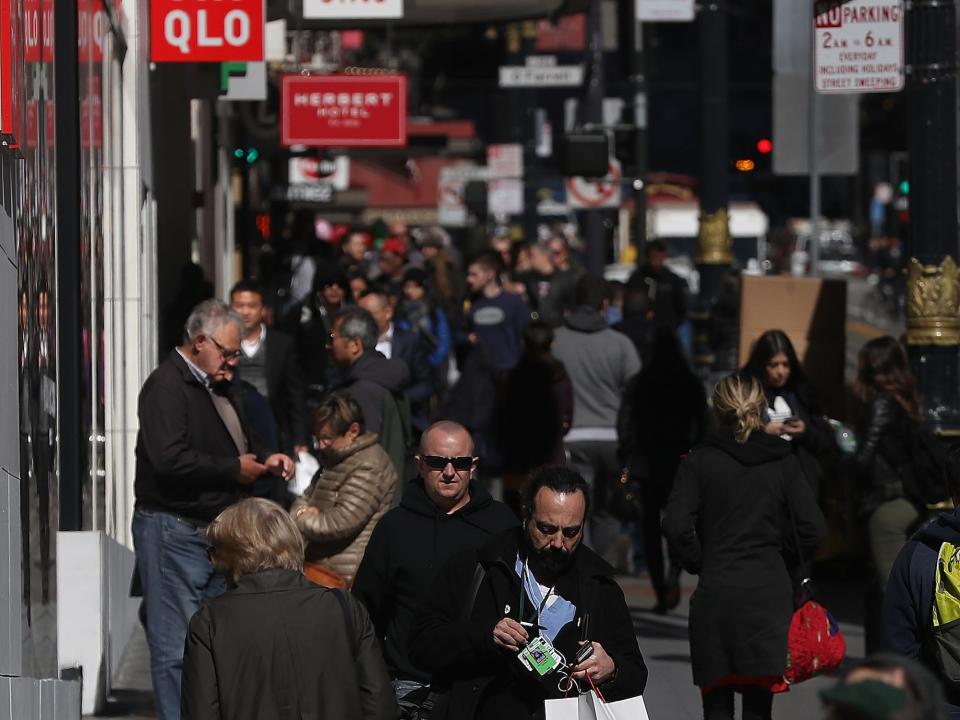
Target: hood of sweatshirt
[945, 528]
[391, 374]
[416, 500]
[586, 319]
[759, 448]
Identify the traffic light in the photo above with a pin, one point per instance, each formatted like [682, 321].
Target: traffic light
[248, 155]
[764, 146]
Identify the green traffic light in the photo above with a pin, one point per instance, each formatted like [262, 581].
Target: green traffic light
[238, 153]
[904, 187]
[252, 155]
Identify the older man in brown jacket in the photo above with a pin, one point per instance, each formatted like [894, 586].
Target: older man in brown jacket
[348, 496]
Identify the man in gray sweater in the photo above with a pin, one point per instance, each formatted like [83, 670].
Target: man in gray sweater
[599, 362]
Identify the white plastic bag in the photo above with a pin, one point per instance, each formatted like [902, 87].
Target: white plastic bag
[307, 467]
[589, 706]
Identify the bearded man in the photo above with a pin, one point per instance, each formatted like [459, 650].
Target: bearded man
[503, 625]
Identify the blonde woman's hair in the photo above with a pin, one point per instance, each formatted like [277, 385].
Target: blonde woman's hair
[252, 536]
[739, 401]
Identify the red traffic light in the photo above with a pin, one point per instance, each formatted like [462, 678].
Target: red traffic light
[764, 146]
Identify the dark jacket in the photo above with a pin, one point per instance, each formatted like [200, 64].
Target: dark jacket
[369, 380]
[278, 647]
[908, 600]
[883, 447]
[482, 680]
[285, 390]
[406, 548]
[667, 292]
[817, 446]
[729, 521]
[536, 410]
[187, 463]
[408, 346]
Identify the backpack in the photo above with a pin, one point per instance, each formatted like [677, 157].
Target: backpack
[945, 617]
[924, 476]
[396, 437]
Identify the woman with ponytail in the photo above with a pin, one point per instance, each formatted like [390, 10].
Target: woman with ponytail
[729, 521]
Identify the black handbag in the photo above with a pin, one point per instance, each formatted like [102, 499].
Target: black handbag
[625, 501]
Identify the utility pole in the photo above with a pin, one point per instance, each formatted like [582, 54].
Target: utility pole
[592, 114]
[715, 249]
[638, 63]
[933, 280]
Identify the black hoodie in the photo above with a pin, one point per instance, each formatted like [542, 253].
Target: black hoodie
[408, 545]
[369, 379]
[908, 601]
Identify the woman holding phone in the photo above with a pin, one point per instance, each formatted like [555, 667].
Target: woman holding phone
[793, 411]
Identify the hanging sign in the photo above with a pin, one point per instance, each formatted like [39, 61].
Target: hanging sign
[206, 30]
[665, 10]
[353, 9]
[344, 110]
[859, 46]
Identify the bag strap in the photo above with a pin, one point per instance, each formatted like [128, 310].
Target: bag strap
[348, 619]
[478, 574]
[802, 592]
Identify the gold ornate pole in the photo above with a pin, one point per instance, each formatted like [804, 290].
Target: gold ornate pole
[714, 244]
[933, 303]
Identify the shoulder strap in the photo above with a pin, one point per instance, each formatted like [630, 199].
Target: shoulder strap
[478, 574]
[348, 620]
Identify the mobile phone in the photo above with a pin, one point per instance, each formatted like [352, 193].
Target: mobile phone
[585, 651]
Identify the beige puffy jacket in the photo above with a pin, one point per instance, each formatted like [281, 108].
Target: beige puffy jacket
[352, 493]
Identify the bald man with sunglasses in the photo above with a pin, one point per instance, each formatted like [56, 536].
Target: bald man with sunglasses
[443, 512]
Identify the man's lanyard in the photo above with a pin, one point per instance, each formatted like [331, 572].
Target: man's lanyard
[523, 593]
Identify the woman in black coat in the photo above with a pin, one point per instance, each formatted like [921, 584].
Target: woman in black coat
[662, 416]
[276, 646]
[729, 521]
[793, 411]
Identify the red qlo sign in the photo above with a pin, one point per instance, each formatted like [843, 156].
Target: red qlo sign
[206, 30]
[344, 110]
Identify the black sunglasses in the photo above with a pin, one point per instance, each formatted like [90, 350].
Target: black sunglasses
[437, 462]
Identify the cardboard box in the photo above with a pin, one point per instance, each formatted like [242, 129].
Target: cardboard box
[813, 314]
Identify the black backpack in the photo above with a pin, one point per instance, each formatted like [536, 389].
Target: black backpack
[924, 476]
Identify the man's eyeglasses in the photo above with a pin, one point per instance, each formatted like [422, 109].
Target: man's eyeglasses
[224, 353]
[437, 462]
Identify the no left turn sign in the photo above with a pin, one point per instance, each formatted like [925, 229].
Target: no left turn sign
[590, 194]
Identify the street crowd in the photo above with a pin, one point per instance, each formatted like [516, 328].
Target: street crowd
[422, 386]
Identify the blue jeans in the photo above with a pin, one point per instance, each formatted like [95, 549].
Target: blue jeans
[177, 579]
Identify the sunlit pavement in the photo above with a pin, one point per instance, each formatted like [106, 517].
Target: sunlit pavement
[670, 693]
[663, 640]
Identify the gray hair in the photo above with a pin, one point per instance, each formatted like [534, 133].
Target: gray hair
[358, 324]
[208, 317]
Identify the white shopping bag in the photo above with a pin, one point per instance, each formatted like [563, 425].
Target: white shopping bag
[307, 467]
[590, 707]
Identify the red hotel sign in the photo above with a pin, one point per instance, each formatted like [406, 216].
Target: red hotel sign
[206, 30]
[344, 110]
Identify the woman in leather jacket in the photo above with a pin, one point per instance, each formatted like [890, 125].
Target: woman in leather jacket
[890, 407]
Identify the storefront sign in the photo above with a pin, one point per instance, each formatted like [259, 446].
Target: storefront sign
[353, 9]
[859, 46]
[344, 110]
[93, 26]
[314, 171]
[206, 30]
[303, 193]
[9, 89]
